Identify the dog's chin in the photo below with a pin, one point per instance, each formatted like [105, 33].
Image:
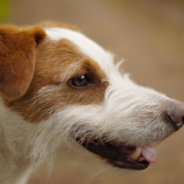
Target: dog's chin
[118, 155]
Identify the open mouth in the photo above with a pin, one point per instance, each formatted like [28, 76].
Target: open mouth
[129, 157]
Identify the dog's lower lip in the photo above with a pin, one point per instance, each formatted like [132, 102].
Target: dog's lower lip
[132, 165]
[115, 154]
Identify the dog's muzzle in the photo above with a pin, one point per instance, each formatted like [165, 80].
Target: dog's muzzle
[121, 155]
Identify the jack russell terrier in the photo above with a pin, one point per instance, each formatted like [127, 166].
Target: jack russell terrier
[59, 90]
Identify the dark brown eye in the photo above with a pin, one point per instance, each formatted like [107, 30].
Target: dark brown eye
[80, 81]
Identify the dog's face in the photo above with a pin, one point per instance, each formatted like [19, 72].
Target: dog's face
[66, 87]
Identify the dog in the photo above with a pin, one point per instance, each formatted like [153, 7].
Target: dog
[60, 90]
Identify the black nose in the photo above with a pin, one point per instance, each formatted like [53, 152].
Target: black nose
[175, 112]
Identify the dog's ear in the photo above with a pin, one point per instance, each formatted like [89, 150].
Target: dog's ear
[17, 59]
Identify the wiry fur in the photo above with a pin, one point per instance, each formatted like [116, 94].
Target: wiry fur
[127, 113]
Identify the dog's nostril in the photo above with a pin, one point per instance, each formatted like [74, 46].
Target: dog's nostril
[177, 121]
[175, 118]
[176, 114]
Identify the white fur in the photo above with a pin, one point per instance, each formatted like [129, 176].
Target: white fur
[129, 113]
[85, 45]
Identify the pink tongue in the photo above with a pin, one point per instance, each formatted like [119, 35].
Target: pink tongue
[149, 153]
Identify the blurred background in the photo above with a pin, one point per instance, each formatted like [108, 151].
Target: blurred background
[149, 35]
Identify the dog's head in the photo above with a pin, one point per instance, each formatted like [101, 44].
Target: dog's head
[67, 87]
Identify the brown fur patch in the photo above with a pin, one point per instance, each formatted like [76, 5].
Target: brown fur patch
[50, 90]
[17, 59]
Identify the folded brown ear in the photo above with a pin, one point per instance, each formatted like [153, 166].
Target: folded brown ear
[17, 59]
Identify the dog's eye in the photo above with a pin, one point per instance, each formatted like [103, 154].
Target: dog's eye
[80, 81]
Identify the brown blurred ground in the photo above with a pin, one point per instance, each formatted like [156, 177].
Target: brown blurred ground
[150, 35]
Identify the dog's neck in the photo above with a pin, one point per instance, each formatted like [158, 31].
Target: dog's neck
[13, 167]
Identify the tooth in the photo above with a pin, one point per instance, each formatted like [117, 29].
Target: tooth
[140, 159]
[135, 155]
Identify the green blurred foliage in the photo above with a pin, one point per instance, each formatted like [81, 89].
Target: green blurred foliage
[4, 4]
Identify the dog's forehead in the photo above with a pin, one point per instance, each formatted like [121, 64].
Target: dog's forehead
[84, 44]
